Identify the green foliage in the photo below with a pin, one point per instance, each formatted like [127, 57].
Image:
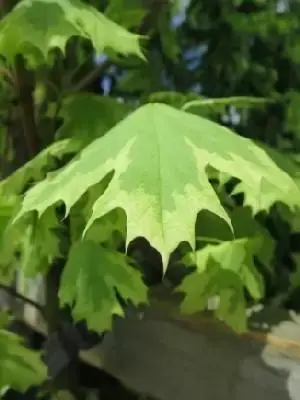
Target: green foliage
[20, 366]
[224, 267]
[40, 244]
[35, 27]
[168, 37]
[151, 157]
[36, 169]
[126, 14]
[92, 277]
[150, 185]
[10, 236]
[102, 114]
[223, 270]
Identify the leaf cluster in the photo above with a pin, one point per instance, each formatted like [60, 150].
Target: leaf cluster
[158, 159]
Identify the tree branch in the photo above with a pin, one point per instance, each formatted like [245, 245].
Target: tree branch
[91, 76]
[10, 290]
[25, 86]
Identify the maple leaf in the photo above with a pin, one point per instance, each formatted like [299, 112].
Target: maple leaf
[159, 156]
[223, 270]
[211, 229]
[90, 279]
[34, 27]
[20, 366]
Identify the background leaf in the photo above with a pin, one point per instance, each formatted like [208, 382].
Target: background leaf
[223, 270]
[34, 27]
[92, 277]
[20, 366]
[101, 112]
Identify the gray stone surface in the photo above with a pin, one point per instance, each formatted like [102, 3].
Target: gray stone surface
[167, 360]
[159, 354]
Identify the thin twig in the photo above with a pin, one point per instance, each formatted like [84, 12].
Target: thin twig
[72, 74]
[19, 296]
[91, 76]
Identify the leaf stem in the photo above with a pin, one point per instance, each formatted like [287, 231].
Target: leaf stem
[208, 239]
[234, 100]
[91, 76]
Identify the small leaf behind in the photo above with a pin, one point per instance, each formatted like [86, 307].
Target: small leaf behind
[91, 278]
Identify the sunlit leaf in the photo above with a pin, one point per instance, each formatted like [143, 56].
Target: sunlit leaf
[162, 197]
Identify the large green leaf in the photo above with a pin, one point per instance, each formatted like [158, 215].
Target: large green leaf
[90, 279]
[159, 157]
[20, 366]
[34, 27]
